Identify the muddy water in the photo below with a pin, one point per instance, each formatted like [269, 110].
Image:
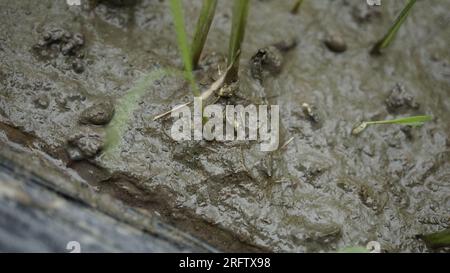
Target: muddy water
[326, 190]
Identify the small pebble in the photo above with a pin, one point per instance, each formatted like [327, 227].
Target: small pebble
[85, 144]
[310, 112]
[42, 101]
[335, 43]
[98, 114]
[400, 98]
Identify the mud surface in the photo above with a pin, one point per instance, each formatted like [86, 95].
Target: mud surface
[63, 70]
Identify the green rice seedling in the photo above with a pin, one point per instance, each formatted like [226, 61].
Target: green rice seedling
[387, 39]
[413, 121]
[436, 240]
[178, 18]
[239, 21]
[353, 249]
[201, 31]
[209, 96]
[296, 7]
[125, 108]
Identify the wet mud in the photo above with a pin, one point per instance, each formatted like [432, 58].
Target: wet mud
[63, 70]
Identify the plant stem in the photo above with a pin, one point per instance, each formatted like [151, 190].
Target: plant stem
[296, 7]
[387, 39]
[201, 31]
[239, 21]
[413, 121]
[178, 18]
[408, 121]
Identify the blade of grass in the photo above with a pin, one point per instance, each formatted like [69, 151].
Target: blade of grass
[125, 108]
[201, 31]
[353, 249]
[413, 121]
[387, 39]
[407, 121]
[437, 239]
[239, 21]
[178, 18]
[296, 7]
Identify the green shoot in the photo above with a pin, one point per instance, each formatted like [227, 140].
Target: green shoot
[387, 39]
[437, 240]
[239, 21]
[178, 18]
[125, 108]
[296, 7]
[202, 29]
[353, 249]
[413, 121]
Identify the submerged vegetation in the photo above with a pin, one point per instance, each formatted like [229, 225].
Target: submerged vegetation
[387, 39]
[125, 108]
[412, 121]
